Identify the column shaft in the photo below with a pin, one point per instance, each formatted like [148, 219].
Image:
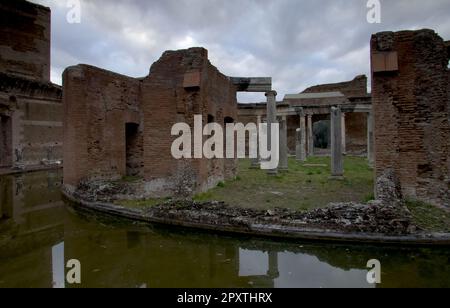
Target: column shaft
[344, 134]
[256, 162]
[271, 119]
[284, 163]
[301, 137]
[310, 136]
[337, 163]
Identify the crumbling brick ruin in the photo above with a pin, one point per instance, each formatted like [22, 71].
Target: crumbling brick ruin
[356, 88]
[30, 106]
[411, 101]
[116, 126]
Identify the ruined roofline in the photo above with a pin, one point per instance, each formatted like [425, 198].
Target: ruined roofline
[358, 77]
[353, 88]
[403, 32]
[11, 82]
[101, 70]
[23, 5]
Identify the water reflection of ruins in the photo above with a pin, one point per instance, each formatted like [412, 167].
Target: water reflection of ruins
[38, 235]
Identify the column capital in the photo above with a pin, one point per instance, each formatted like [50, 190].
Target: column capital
[333, 108]
[271, 93]
[300, 111]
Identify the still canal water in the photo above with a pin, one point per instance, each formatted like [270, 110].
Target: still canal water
[39, 234]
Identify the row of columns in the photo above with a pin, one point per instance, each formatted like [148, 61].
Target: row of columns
[305, 137]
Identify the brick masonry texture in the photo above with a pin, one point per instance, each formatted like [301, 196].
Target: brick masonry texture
[411, 114]
[355, 88]
[25, 39]
[30, 106]
[99, 104]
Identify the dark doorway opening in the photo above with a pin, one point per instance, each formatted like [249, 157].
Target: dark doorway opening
[134, 149]
[6, 157]
[322, 133]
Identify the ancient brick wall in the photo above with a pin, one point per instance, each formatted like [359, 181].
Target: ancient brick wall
[116, 125]
[411, 112]
[182, 84]
[30, 106]
[354, 88]
[25, 39]
[33, 112]
[356, 133]
[97, 106]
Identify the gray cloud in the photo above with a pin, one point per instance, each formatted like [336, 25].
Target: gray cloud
[298, 42]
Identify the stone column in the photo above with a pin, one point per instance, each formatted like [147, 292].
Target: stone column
[337, 162]
[284, 163]
[271, 118]
[301, 137]
[310, 136]
[370, 141]
[256, 163]
[344, 133]
[273, 271]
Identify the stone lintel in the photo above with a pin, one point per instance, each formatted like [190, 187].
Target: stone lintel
[252, 84]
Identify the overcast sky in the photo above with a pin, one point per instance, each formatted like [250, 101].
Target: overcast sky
[299, 43]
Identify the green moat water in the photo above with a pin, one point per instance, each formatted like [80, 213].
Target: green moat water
[39, 234]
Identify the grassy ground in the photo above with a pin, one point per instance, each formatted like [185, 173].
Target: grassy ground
[301, 188]
[428, 217]
[306, 186]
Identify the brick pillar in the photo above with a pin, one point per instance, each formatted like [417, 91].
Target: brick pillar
[370, 152]
[337, 164]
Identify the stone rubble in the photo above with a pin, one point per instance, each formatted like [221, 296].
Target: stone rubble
[387, 215]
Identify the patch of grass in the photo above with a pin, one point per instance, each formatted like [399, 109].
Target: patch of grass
[131, 179]
[207, 196]
[221, 185]
[302, 188]
[136, 204]
[369, 197]
[428, 217]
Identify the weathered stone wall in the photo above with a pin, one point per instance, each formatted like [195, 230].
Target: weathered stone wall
[356, 133]
[100, 106]
[354, 88]
[97, 106]
[25, 39]
[411, 112]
